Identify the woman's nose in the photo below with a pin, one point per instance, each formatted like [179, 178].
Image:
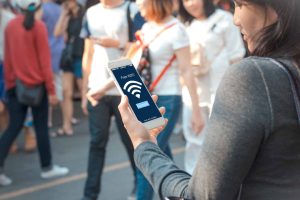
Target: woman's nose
[236, 18]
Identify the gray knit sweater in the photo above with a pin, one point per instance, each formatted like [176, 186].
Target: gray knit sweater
[251, 148]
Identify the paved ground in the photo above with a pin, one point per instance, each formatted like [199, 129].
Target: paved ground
[72, 152]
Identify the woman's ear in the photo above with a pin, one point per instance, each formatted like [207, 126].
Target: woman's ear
[272, 16]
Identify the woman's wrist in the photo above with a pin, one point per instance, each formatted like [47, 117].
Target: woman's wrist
[138, 142]
[196, 107]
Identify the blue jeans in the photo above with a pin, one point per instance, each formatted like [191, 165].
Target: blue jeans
[173, 106]
[17, 114]
[99, 124]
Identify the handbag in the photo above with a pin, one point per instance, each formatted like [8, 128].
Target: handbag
[30, 96]
[199, 57]
[67, 54]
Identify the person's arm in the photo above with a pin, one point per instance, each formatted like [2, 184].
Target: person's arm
[39, 14]
[183, 57]
[95, 95]
[240, 119]
[108, 42]
[43, 50]
[62, 23]
[9, 76]
[86, 70]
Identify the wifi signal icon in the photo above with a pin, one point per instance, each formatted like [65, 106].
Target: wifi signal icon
[134, 88]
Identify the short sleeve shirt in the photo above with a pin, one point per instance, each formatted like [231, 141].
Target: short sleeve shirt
[105, 22]
[51, 13]
[161, 51]
[5, 17]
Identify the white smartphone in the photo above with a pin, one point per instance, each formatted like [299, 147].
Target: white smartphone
[130, 84]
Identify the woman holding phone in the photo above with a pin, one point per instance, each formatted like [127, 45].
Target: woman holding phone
[252, 142]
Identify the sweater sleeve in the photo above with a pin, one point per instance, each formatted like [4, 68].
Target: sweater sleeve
[44, 57]
[9, 75]
[240, 118]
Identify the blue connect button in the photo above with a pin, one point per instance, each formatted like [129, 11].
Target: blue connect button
[142, 104]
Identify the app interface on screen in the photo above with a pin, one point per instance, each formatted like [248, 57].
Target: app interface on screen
[138, 96]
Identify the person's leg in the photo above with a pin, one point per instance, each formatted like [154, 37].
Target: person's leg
[68, 79]
[187, 132]
[17, 113]
[173, 109]
[30, 143]
[144, 189]
[173, 105]
[59, 94]
[50, 122]
[29, 135]
[3, 110]
[3, 116]
[40, 119]
[79, 87]
[115, 100]
[194, 141]
[99, 122]
[78, 73]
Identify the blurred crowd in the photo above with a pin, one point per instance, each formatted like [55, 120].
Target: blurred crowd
[64, 46]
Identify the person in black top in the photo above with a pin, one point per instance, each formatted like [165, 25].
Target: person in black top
[69, 25]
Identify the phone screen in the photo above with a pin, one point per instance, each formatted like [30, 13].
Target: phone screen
[137, 93]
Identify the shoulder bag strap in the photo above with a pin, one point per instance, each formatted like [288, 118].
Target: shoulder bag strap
[159, 33]
[293, 85]
[162, 73]
[169, 64]
[130, 23]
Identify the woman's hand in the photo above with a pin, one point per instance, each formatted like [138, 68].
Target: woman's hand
[197, 121]
[66, 10]
[2, 106]
[84, 105]
[52, 100]
[136, 131]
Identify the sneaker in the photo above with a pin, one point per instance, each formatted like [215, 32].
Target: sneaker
[4, 180]
[132, 195]
[55, 172]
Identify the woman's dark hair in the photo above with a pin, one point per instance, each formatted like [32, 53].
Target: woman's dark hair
[29, 16]
[281, 39]
[208, 6]
[90, 3]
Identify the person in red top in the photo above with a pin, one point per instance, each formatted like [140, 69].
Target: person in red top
[27, 58]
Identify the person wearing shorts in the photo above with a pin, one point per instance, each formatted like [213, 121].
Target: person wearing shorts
[69, 24]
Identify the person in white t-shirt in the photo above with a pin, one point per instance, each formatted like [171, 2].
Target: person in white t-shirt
[215, 44]
[105, 30]
[172, 41]
[5, 17]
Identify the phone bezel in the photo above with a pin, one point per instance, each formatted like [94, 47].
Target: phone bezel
[124, 62]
